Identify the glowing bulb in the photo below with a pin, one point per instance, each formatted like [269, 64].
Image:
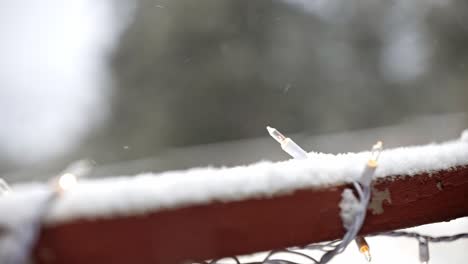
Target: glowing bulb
[67, 181]
[363, 247]
[375, 154]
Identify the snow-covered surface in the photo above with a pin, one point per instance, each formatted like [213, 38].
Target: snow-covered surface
[147, 192]
[390, 250]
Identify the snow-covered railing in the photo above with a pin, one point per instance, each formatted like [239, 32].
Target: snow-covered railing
[208, 213]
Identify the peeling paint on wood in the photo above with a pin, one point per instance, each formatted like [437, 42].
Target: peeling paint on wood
[377, 199]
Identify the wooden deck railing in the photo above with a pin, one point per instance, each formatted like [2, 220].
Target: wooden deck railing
[234, 228]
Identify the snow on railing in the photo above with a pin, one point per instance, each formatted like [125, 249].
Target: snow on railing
[147, 192]
[220, 191]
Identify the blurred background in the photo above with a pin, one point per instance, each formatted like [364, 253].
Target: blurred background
[154, 85]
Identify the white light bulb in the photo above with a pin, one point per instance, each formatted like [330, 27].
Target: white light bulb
[375, 154]
[280, 138]
[67, 181]
[363, 247]
[287, 144]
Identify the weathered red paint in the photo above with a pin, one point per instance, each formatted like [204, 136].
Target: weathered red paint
[226, 229]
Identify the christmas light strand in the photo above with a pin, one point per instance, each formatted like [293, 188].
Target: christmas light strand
[432, 239]
[353, 209]
[27, 234]
[352, 218]
[353, 212]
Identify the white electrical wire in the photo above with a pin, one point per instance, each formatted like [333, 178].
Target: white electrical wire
[354, 208]
[25, 235]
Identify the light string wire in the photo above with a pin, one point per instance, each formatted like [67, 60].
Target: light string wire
[432, 239]
[330, 249]
[68, 180]
[363, 189]
[26, 235]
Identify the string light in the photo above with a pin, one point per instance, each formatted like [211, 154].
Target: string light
[423, 241]
[335, 247]
[363, 247]
[365, 181]
[287, 144]
[375, 154]
[290, 147]
[372, 164]
[324, 247]
[26, 235]
[68, 179]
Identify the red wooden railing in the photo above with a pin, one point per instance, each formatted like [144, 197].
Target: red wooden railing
[234, 228]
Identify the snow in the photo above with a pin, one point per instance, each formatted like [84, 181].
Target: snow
[21, 214]
[389, 250]
[147, 192]
[349, 206]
